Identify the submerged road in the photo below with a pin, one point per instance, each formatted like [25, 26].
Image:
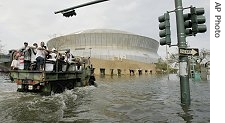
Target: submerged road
[135, 99]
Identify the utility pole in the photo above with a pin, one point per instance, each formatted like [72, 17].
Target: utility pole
[183, 60]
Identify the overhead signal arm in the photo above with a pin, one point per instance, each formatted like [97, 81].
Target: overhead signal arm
[71, 11]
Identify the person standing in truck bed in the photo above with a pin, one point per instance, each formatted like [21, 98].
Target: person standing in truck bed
[68, 58]
[41, 55]
[33, 56]
[15, 61]
[27, 55]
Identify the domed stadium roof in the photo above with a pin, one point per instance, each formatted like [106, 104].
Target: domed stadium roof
[102, 31]
[108, 44]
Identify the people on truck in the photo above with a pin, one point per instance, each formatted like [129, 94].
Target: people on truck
[52, 58]
[53, 54]
[41, 55]
[27, 55]
[68, 58]
[15, 61]
[60, 59]
[33, 56]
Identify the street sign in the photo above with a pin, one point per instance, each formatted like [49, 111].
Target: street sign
[189, 51]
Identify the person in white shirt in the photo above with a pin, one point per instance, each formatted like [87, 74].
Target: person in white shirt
[15, 62]
[40, 56]
[52, 58]
[68, 56]
[53, 54]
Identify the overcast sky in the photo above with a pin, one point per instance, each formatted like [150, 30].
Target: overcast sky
[35, 21]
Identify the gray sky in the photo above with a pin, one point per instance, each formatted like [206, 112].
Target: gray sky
[35, 21]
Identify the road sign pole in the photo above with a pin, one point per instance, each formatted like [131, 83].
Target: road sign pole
[183, 68]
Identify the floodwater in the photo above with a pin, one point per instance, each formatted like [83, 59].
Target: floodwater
[135, 99]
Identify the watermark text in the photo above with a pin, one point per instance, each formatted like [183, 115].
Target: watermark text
[217, 19]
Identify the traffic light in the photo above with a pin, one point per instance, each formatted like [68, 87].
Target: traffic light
[188, 24]
[198, 20]
[69, 13]
[195, 20]
[164, 26]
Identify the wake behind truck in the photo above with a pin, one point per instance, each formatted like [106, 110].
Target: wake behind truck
[50, 80]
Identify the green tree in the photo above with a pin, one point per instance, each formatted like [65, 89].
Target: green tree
[161, 66]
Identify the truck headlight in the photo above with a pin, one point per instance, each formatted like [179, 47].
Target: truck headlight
[19, 86]
[30, 87]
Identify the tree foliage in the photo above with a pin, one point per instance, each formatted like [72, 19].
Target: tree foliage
[203, 53]
[161, 65]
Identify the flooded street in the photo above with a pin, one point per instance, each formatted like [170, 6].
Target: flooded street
[135, 99]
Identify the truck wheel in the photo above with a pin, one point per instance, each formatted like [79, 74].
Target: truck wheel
[69, 85]
[58, 87]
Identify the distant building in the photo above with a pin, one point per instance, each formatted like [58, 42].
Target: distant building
[111, 51]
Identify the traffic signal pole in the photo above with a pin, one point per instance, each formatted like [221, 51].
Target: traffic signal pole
[187, 25]
[183, 60]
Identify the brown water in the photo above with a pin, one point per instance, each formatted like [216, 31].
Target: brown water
[136, 99]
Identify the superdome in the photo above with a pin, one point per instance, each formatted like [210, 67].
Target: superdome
[103, 31]
[108, 44]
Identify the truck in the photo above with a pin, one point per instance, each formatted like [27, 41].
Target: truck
[50, 80]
